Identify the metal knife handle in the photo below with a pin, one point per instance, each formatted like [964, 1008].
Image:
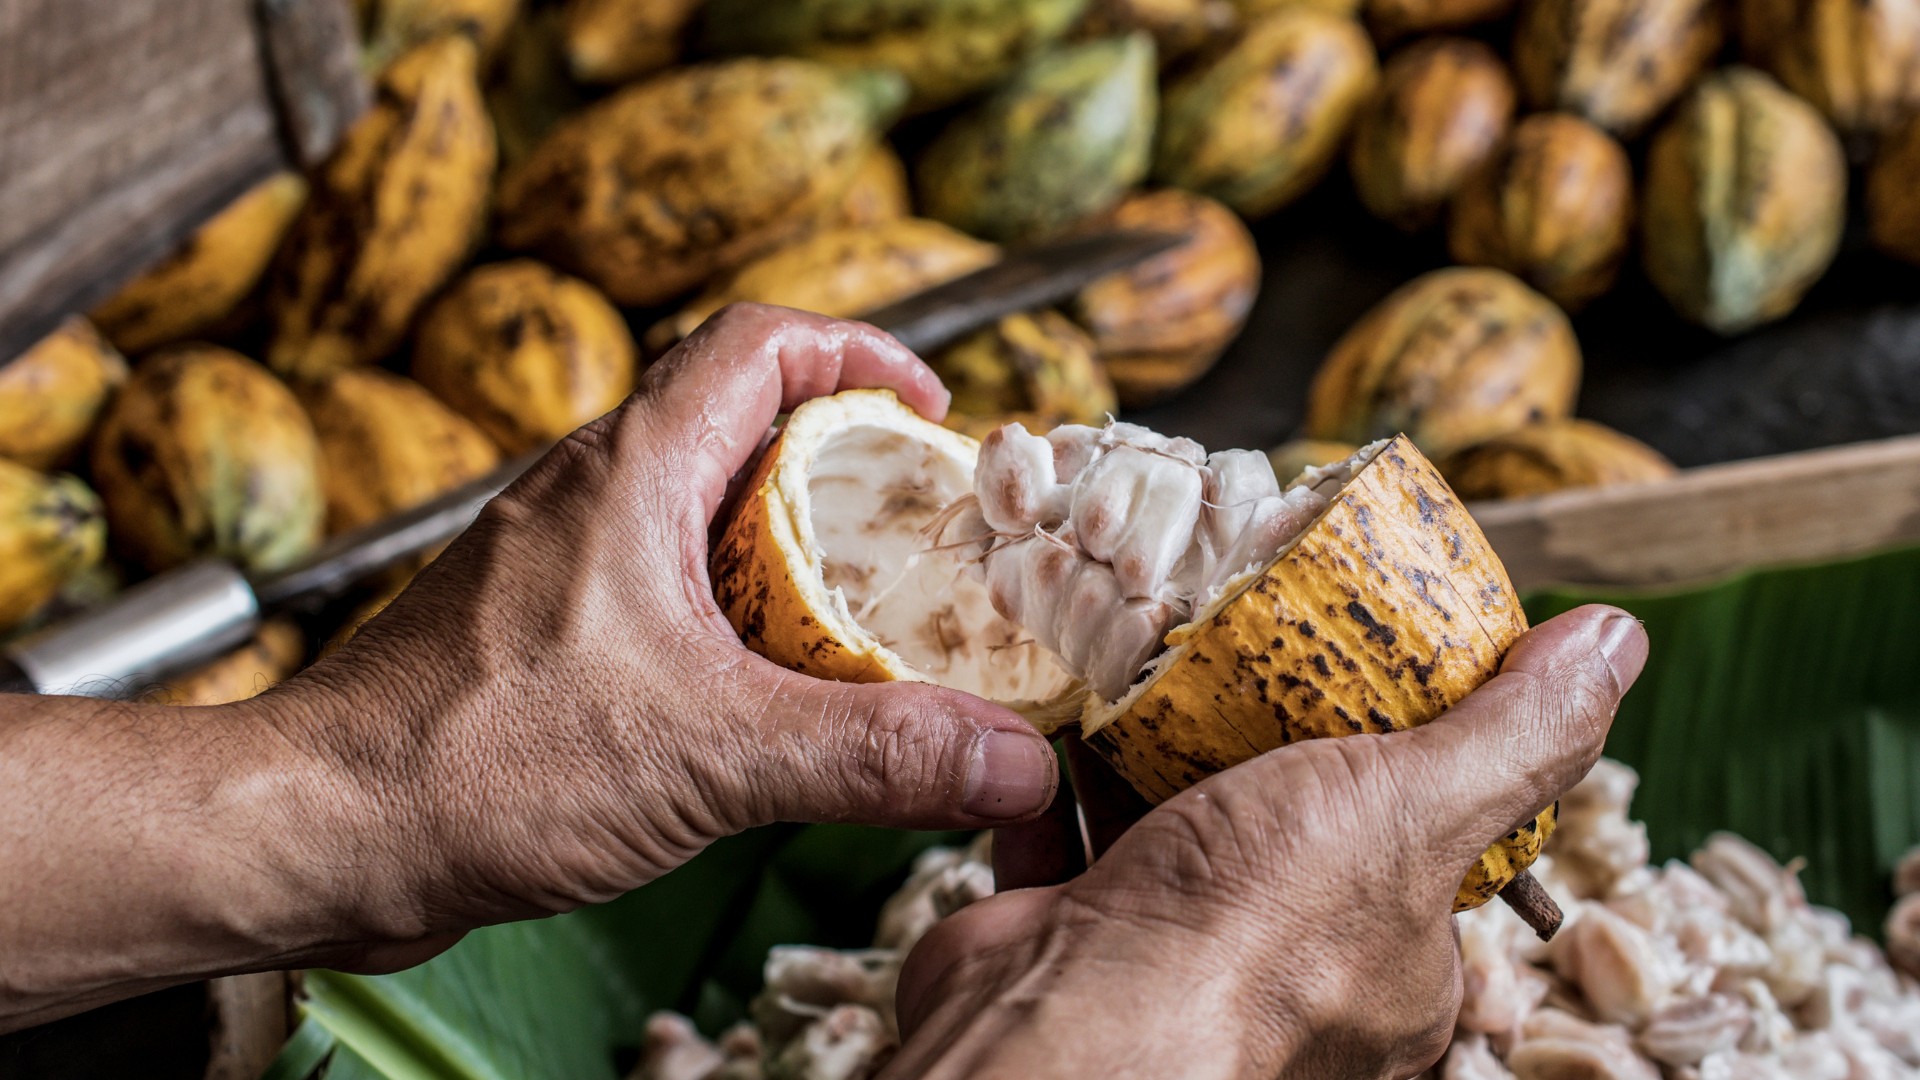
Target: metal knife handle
[158, 628]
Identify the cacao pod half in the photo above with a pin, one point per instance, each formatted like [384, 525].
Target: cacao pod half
[1858, 61]
[1616, 62]
[1745, 200]
[1443, 105]
[387, 445]
[51, 394]
[50, 530]
[1553, 456]
[1453, 357]
[1064, 139]
[206, 453]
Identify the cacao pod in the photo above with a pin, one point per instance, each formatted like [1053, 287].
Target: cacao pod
[396, 26]
[616, 41]
[1893, 193]
[1443, 105]
[1393, 20]
[1554, 207]
[394, 212]
[1039, 367]
[654, 190]
[525, 353]
[1177, 27]
[204, 452]
[1064, 139]
[51, 394]
[1616, 62]
[531, 91]
[1858, 61]
[1552, 456]
[1745, 199]
[1452, 358]
[274, 653]
[202, 283]
[877, 193]
[387, 445]
[50, 530]
[945, 49]
[1161, 323]
[840, 272]
[1250, 10]
[1257, 123]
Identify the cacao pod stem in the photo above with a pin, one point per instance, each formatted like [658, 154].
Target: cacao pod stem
[1529, 900]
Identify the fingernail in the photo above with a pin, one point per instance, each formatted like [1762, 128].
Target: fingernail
[1624, 644]
[1012, 776]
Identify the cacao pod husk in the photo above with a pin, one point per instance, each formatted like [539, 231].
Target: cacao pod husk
[1745, 200]
[1178, 27]
[51, 394]
[204, 452]
[395, 26]
[617, 41]
[1064, 139]
[1893, 193]
[1542, 458]
[1553, 207]
[878, 192]
[1258, 122]
[50, 530]
[387, 445]
[525, 353]
[1452, 358]
[1857, 61]
[1038, 367]
[1443, 105]
[1618, 63]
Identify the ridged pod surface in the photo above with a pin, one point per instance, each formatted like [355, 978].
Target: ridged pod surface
[1385, 613]
[1452, 358]
[1393, 20]
[1553, 456]
[386, 444]
[1858, 61]
[1553, 207]
[1161, 323]
[1177, 27]
[395, 26]
[656, 189]
[51, 394]
[1744, 204]
[274, 653]
[1258, 123]
[50, 530]
[1038, 366]
[204, 452]
[1065, 138]
[840, 272]
[197, 287]
[394, 212]
[616, 41]
[1616, 62]
[1893, 193]
[945, 49]
[524, 352]
[1442, 108]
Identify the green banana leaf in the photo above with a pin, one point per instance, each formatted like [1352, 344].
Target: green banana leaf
[1783, 705]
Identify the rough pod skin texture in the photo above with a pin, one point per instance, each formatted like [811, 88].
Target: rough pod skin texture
[666, 183]
[1553, 207]
[841, 272]
[1383, 614]
[1161, 323]
[387, 445]
[50, 530]
[1443, 105]
[196, 288]
[1543, 458]
[1392, 20]
[1858, 61]
[1893, 193]
[1065, 138]
[206, 453]
[394, 212]
[50, 394]
[1039, 366]
[273, 654]
[1178, 27]
[394, 26]
[616, 41]
[1616, 62]
[524, 352]
[1745, 199]
[946, 49]
[1452, 358]
[1258, 123]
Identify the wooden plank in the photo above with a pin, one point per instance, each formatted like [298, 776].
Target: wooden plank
[250, 1023]
[1716, 520]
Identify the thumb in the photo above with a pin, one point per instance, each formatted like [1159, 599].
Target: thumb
[906, 755]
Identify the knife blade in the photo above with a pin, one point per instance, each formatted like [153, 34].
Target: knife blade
[186, 617]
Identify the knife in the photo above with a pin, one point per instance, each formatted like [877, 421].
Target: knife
[189, 616]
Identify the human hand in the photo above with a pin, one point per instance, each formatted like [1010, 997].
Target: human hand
[1288, 917]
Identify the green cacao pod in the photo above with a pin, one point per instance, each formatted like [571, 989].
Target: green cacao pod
[50, 530]
[946, 49]
[1452, 358]
[654, 190]
[1443, 106]
[1858, 61]
[1258, 122]
[204, 452]
[1745, 199]
[1553, 207]
[1064, 139]
[1616, 62]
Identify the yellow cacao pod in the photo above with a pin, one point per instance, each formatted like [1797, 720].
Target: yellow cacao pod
[387, 445]
[1616, 62]
[50, 530]
[1554, 456]
[1443, 106]
[1039, 367]
[274, 653]
[1857, 61]
[51, 394]
[616, 41]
